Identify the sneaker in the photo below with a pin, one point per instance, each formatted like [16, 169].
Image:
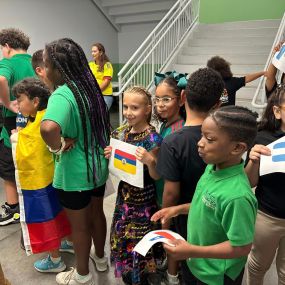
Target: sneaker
[68, 278]
[65, 247]
[9, 215]
[101, 264]
[46, 265]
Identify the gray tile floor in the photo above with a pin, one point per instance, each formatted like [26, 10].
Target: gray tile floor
[19, 269]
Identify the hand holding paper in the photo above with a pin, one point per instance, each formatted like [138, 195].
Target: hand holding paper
[275, 162]
[153, 237]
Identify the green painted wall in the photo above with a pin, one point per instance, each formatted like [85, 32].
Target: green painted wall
[219, 11]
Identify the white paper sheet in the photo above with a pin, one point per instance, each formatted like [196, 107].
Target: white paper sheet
[124, 165]
[154, 237]
[278, 59]
[276, 161]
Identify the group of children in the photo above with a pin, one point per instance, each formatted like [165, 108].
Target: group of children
[194, 178]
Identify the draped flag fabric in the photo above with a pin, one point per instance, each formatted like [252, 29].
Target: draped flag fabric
[43, 220]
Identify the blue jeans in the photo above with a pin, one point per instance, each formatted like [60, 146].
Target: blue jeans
[108, 100]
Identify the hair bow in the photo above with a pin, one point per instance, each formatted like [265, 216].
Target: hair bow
[180, 78]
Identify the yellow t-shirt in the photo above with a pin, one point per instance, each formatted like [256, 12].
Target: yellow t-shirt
[100, 75]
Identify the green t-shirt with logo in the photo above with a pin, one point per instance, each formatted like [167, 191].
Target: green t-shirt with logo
[223, 209]
[70, 167]
[14, 69]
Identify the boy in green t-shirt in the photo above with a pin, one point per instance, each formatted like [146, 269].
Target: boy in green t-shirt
[222, 214]
[15, 66]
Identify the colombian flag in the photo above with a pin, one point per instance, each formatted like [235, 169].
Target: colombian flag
[125, 161]
[43, 220]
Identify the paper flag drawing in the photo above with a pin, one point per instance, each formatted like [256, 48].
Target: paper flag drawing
[124, 165]
[154, 237]
[275, 162]
[278, 59]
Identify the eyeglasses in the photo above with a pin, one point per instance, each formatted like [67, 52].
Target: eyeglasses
[163, 100]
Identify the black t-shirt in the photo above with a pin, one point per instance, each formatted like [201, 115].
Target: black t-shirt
[232, 85]
[270, 190]
[179, 161]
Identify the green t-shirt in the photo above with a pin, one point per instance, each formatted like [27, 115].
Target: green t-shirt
[14, 69]
[70, 167]
[223, 208]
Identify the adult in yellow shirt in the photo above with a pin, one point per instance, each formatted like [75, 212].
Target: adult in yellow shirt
[103, 72]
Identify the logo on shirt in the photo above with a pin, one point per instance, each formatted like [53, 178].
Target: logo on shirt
[209, 201]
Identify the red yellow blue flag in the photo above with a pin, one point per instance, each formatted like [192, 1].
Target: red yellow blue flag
[125, 161]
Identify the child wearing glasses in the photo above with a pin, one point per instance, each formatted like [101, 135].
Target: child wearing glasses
[179, 163]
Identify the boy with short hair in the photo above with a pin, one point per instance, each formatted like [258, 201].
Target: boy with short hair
[179, 163]
[15, 66]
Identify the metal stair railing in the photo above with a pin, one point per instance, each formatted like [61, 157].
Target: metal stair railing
[159, 48]
[259, 99]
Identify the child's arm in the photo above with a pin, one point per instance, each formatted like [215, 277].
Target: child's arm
[149, 159]
[253, 76]
[107, 152]
[252, 168]
[183, 250]
[51, 134]
[167, 213]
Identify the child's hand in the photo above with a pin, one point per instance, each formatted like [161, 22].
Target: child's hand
[107, 152]
[14, 131]
[257, 151]
[179, 250]
[164, 214]
[69, 144]
[144, 156]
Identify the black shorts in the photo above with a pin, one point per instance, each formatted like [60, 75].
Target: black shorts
[7, 168]
[77, 200]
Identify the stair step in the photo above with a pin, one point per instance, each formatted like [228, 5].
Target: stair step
[150, 17]
[236, 69]
[253, 49]
[110, 3]
[242, 24]
[141, 8]
[233, 59]
[239, 32]
[227, 41]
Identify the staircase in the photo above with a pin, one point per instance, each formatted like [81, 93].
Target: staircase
[129, 12]
[246, 45]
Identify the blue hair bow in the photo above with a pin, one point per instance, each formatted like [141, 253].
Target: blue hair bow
[180, 78]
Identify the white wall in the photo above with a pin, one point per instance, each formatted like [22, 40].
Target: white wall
[48, 20]
[131, 37]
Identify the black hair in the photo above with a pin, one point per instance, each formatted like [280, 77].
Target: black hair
[68, 58]
[32, 88]
[220, 65]
[15, 38]
[37, 59]
[238, 122]
[204, 89]
[268, 121]
[172, 84]
[141, 91]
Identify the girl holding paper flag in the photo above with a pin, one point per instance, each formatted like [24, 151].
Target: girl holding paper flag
[270, 222]
[134, 205]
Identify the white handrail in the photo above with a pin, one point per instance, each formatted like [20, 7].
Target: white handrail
[159, 47]
[260, 87]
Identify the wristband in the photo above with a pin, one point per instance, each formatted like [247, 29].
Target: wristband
[60, 150]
